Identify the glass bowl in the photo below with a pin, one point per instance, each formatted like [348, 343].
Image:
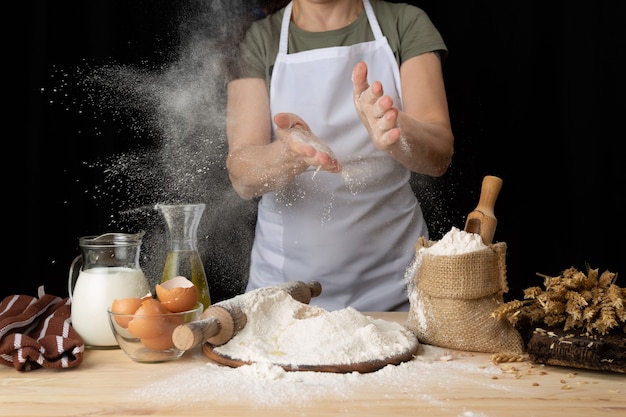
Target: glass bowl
[155, 344]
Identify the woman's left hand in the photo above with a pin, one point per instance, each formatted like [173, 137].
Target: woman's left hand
[376, 111]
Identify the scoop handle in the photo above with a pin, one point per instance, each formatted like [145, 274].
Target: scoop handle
[482, 219]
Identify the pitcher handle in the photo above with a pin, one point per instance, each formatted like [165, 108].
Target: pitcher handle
[72, 277]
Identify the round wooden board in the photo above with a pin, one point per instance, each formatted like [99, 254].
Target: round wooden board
[361, 367]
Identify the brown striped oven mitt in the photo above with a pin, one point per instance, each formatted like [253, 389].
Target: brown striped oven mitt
[37, 332]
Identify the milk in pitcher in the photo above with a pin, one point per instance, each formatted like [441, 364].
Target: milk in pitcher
[94, 292]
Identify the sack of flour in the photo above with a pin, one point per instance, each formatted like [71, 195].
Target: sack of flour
[454, 286]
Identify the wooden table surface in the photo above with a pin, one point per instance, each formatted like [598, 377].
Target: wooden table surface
[437, 382]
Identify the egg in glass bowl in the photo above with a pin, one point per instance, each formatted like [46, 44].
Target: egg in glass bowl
[143, 328]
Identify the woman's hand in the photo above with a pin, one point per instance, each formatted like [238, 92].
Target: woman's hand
[257, 164]
[302, 144]
[419, 136]
[376, 111]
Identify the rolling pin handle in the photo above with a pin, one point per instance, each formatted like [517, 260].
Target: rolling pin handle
[189, 335]
[315, 287]
[221, 321]
[300, 290]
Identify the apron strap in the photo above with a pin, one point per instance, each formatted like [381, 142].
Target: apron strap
[284, 30]
[378, 34]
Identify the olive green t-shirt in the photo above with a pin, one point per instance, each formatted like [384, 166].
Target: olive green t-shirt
[408, 30]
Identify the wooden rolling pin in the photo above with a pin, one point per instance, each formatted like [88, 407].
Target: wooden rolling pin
[483, 220]
[221, 321]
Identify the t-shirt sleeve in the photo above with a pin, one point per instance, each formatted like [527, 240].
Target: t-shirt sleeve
[259, 47]
[418, 35]
[252, 63]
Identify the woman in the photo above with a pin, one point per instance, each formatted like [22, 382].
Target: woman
[336, 102]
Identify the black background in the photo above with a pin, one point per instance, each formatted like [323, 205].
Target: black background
[535, 92]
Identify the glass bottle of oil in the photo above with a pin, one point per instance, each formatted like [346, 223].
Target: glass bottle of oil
[183, 258]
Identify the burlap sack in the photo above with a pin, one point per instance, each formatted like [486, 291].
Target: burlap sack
[452, 298]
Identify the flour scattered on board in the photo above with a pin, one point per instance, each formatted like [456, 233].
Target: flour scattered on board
[281, 330]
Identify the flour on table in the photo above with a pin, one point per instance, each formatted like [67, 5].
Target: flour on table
[266, 385]
[281, 330]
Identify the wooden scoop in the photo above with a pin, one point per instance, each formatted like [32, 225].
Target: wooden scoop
[482, 220]
[222, 321]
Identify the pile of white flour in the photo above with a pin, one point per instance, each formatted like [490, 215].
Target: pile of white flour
[281, 330]
[455, 242]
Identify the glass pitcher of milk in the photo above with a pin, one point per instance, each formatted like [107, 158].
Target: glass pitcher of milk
[107, 268]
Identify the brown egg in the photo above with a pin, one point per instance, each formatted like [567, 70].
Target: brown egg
[164, 340]
[158, 343]
[150, 320]
[125, 306]
[177, 294]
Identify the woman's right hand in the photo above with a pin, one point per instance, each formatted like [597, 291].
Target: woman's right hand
[302, 143]
[257, 162]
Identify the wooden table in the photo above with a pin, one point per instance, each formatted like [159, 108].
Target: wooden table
[437, 382]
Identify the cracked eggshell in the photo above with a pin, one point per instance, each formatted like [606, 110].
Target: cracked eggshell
[177, 294]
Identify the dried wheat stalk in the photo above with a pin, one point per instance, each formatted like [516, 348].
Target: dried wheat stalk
[574, 300]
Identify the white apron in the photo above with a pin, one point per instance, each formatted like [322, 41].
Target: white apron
[354, 232]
